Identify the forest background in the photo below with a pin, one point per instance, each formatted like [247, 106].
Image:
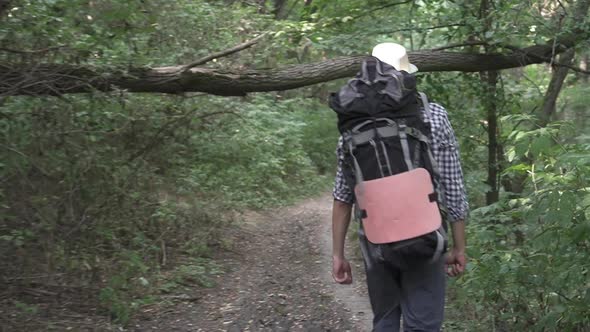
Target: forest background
[130, 130]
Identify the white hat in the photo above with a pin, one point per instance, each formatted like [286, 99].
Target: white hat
[394, 55]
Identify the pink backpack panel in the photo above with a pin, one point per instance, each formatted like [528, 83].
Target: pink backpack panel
[398, 207]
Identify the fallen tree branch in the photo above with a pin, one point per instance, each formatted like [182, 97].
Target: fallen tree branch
[56, 79]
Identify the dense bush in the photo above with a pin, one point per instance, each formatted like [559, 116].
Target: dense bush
[103, 188]
[529, 268]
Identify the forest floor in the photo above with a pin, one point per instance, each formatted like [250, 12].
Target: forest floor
[278, 278]
[275, 275]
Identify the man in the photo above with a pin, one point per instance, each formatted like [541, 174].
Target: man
[398, 286]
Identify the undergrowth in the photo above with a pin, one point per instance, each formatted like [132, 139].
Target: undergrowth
[126, 195]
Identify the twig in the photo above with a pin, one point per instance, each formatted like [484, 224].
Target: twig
[33, 277]
[163, 247]
[576, 69]
[43, 50]
[549, 60]
[80, 223]
[562, 7]
[156, 138]
[37, 292]
[558, 64]
[206, 115]
[382, 7]
[226, 52]
[45, 173]
[450, 25]
[40, 284]
[368, 12]
[473, 43]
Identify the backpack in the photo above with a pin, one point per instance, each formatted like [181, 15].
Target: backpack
[388, 162]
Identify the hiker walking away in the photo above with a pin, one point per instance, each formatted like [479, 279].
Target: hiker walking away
[398, 164]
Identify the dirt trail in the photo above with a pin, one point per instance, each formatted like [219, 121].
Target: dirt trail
[278, 280]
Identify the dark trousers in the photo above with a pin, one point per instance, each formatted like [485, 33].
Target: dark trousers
[401, 287]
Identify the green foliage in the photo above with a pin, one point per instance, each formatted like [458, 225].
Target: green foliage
[529, 253]
[269, 153]
[125, 32]
[104, 188]
[26, 309]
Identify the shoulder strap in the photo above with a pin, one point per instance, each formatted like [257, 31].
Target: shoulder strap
[426, 105]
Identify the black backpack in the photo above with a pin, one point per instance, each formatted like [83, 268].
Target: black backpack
[384, 133]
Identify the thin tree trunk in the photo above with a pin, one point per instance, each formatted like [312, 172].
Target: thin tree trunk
[557, 79]
[547, 109]
[4, 5]
[584, 65]
[490, 80]
[280, 9]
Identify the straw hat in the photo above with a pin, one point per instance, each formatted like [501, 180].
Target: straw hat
[394, 55]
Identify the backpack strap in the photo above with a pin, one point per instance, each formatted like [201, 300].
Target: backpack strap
[374, 145]
[362, 137]
[417, 153]
[441, 240]
[386, 157]
[403, 137]
[417, 134]
[358, 175]
[358, 127]
[426, 105]
[357, 168]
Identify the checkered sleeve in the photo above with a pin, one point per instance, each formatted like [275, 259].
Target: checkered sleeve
[446, 153]
[342, 191]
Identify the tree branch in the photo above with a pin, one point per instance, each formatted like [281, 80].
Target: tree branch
[368, 11]
[473, 43]
[226, 52]
[43, 50]
[448, 25]
[388, 5]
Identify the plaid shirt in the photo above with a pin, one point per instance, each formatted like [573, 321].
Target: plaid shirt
[445, 150]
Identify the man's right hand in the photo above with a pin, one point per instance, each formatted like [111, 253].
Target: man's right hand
[456, 261]
[341, 271]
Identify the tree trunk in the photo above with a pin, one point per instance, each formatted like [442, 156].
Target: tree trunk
[584, 65]
[580, 12]
[280, 9]
[548, 108]
[4, 5]
[557, 79]
[490, 80]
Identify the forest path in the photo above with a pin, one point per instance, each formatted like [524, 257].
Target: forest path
[278, 279]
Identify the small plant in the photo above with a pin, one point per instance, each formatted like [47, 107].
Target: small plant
[25, 308]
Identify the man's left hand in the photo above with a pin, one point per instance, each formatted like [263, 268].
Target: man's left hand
[341, 271]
